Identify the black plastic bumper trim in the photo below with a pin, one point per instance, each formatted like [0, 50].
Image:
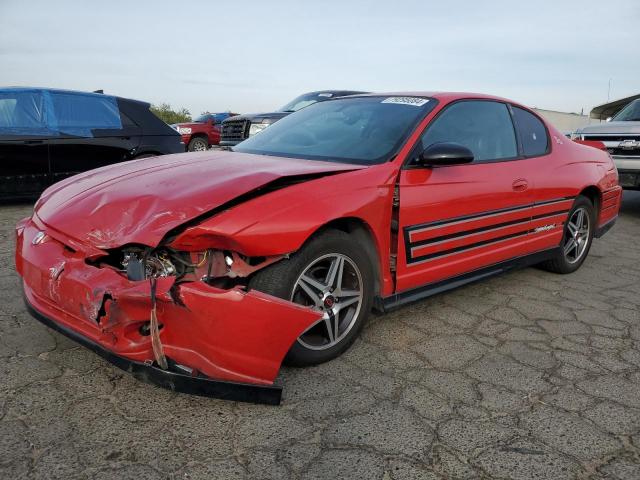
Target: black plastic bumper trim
[178, 382]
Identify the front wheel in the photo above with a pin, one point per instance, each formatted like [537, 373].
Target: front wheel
[333, 275]
[198, 144]
[577, 238]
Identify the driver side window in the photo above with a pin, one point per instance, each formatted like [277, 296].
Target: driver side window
[484, 127]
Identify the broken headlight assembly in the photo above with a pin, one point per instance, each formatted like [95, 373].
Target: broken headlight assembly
[217, 267]
[141, 265]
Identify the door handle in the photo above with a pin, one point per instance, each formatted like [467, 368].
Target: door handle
[33, 142]
[520, 185]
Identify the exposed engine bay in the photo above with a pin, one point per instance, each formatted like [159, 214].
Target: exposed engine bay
[140, 264]
[220, 268]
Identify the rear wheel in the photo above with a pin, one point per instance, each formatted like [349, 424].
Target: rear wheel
[577, 238]
[198, 144]
[333, 275]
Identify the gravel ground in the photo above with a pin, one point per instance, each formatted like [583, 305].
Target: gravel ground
[528, 375]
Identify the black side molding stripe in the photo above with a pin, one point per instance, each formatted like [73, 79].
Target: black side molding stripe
[484, 243]
[467, 233]
[489, 228]
[489, 213]
[556, 200]
[466, 218]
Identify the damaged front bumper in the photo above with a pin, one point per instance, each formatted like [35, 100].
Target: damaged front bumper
[220, 343]
[174, 378]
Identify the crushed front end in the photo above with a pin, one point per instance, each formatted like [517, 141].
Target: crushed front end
[181, 320]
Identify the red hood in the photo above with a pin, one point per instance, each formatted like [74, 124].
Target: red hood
[141, 200]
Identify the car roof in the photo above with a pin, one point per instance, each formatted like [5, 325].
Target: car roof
[62, 90]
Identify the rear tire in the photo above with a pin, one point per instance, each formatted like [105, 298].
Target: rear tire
[345, 299]
[577, 238]
[198, 144]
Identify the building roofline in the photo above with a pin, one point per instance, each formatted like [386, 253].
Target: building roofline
[606, 110]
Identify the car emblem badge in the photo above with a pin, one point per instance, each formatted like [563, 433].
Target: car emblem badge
[545, 228]
[38, 239]
[629, 144]
[329, 301]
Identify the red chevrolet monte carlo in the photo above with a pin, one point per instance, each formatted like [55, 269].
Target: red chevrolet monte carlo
[202, 272]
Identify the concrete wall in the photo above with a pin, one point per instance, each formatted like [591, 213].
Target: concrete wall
[566, 122]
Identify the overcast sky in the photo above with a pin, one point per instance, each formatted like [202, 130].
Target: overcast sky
[256, 55]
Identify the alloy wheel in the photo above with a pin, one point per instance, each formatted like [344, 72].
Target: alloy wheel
[577, 235]
[199, 146]
[333, 285]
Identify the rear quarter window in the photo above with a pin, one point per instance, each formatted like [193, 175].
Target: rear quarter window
[81, 114]
[532, 131]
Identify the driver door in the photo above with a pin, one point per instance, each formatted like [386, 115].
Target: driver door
[459, 218]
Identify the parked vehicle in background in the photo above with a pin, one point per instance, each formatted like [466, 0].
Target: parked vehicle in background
[239, 128]
[203, 132]
[47, 135]
[621, 137]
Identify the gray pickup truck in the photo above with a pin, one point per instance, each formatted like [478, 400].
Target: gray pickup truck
[621, 135]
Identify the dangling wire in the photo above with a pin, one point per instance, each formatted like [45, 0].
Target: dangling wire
[192, 265]
[156, 344]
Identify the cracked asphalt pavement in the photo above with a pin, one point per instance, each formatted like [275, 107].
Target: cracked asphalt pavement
[527, 375]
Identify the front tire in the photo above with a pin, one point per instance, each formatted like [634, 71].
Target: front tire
[332, 274]
[198, 144]
[577, 239]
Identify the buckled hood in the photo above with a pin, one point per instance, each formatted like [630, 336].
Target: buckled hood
[138, 202]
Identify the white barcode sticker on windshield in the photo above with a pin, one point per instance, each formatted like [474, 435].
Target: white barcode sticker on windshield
[413, 101]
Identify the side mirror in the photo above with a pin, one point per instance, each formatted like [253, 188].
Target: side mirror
[445, 153]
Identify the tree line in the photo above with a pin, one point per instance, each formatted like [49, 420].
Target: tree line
[169, 115]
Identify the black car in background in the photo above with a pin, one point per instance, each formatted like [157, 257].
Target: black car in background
[47, 135]
[239, 128]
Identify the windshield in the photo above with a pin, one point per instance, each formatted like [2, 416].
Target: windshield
[203, 118]
[363, 130]
[630, 113]
[305, 100]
